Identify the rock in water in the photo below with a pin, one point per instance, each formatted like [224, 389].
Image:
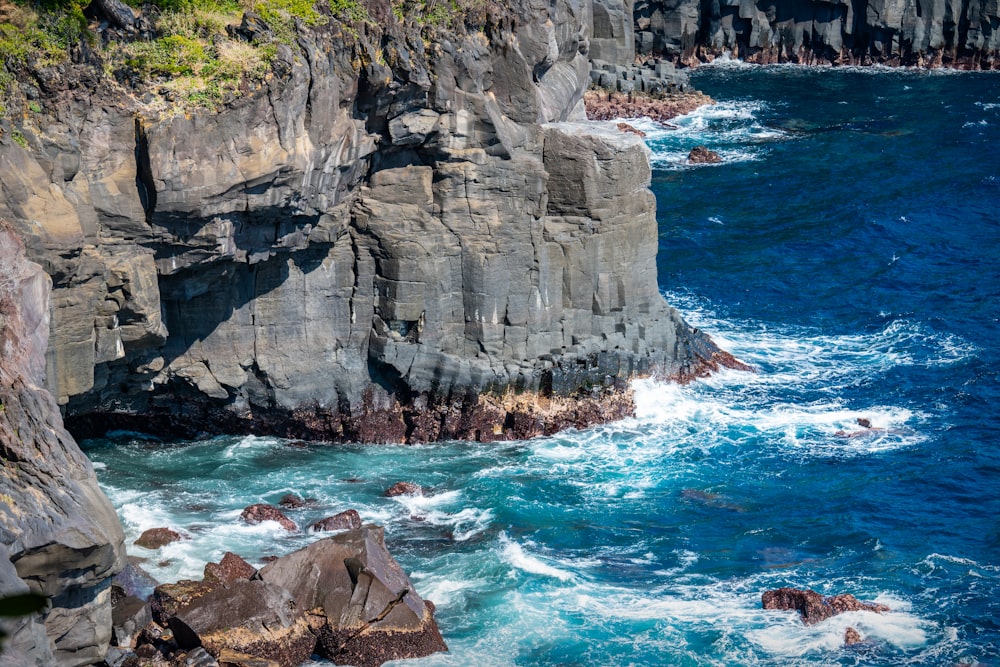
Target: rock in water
[260, 512]
[815, 607]
[852, 637]
[703, 155]
[366, 611]
[346, 520]
[154, 538]
[56, 525]
[404, 489]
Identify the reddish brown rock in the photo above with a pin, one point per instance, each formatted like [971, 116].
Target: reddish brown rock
[404, 489]
[629, 129]
[231, 568]
[603, 105]
[851, 637]
[346, 520]
[154, 538]
[260, 512]
[291, 501]
[703, 155]
[813, 606]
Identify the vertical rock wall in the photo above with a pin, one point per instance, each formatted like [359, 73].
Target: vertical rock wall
[59, 535]
[395, 238]
[956, 33]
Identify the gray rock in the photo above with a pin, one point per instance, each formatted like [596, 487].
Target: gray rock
[56, 526]
[128, 617]
[369, 612]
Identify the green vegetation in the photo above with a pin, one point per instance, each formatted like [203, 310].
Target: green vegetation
[193, 59]
[19, 138]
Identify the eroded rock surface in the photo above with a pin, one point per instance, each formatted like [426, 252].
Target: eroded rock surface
[59, 535]
[963, 33]
[814, 607]
[394, 239]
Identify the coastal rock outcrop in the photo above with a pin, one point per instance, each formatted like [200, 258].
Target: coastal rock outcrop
[342, 597]
[962, 34]
[815, 607]
[393, 239]
[59, 535]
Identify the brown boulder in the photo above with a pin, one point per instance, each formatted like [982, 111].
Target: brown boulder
[154, 538]
[364, 609]
[815, 607]
[231, 568]
[251, 617]
[346, 520]
[703, 155]
[260, 512]
[851, 637]
[404, 489]
[168, 598]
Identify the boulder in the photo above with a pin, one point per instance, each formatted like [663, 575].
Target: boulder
[346, 520]
[404, 489]
[703, 155]
[364, 608]
[231, 568]
[256, 617]
[167, 599]
[128, 618]
[260, 512]
[815, 607]
[154, 538]
[291, 501]
[852, 637]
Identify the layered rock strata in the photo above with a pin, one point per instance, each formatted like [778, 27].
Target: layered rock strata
[963, 34]
[393, 239]
[59, 535]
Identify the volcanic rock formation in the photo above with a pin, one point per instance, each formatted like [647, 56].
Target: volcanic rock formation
[59, 535]
[392, 239]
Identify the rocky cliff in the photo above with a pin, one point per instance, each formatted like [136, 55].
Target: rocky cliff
[59, 535]
[955, 33]
[401, 235]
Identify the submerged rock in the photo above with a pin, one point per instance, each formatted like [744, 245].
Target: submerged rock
[346, 520]
[154, 538]
[260, 512]
[815, 607]
[703, 155]
[404, 489]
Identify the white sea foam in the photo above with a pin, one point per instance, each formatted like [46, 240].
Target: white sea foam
[514, 554]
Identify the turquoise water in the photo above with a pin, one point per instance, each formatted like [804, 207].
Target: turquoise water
[848, 248]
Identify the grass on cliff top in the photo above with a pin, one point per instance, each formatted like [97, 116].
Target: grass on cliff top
[192, 60]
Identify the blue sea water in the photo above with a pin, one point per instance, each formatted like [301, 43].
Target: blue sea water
[847, 247]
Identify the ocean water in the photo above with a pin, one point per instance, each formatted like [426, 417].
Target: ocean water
[848, 247]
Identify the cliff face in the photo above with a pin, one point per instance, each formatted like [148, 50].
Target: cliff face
[59, 535]
[393, 239]
[956, 33]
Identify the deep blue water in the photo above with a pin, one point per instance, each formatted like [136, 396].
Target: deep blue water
[848, 248]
